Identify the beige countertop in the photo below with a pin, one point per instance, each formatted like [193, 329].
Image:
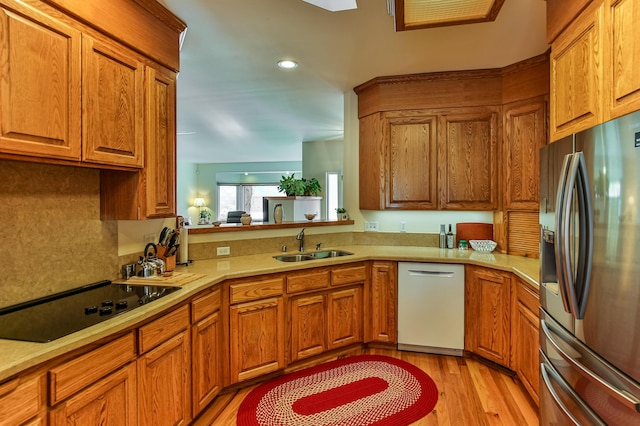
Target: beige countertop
[16, 356]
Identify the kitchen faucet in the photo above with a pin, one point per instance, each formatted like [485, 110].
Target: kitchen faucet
[300, 237]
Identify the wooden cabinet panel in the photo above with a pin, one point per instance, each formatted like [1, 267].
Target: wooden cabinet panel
[622, 50]
[525, 133]
[72, 376]
[488, 314]
[384, 300]
[259, 288]
[206, 360]
[560, 13]
[308, 280]
[110, 401]
[22, 399]
[158, 331]
[348, 275]
[112, 104]
[373, 154]
[308, 326]
[412, 160]
[468, 176]
[206, 304]
[525, 338]
[40, 108]
[160, 143]
[344, 313]
[164, 383]
[577, 76]
[256, 338]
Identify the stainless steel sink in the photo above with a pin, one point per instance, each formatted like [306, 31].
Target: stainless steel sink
[301, 257]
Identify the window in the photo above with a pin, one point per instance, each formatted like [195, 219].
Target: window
[244, 197]
[332, 195]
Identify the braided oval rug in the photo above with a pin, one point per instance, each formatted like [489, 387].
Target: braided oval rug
[359, 390]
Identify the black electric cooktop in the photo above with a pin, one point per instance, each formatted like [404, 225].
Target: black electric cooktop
[49, 318]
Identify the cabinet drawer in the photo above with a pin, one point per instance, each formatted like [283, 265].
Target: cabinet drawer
[255, 290]
[162, 329]
[205, 305]
[528, 296]
[308, 281]
[21, 399]
[72, 376]
[350, 275]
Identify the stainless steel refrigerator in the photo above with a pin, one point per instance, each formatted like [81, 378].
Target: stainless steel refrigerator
[590, 276]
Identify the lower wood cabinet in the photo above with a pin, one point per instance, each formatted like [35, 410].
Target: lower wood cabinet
[23, 399]
[488, 314]
[308, 325]
[344, 315]
[206, 349]
[256, 338]
[383, 289]
[525, 337]
[109, 401]
[164, 370]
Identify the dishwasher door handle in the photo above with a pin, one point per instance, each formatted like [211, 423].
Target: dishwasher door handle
[439, 274]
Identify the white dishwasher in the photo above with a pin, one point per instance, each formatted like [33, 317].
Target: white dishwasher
[431, 307]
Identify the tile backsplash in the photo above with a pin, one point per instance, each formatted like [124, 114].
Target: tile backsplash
[53, 238]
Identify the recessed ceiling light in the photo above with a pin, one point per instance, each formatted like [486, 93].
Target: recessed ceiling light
[287, 64]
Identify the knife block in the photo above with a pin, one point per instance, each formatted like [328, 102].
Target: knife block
[169, 263]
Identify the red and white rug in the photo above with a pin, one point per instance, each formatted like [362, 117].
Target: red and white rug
[358, 390]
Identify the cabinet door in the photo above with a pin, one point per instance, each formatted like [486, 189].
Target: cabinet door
[468, 177]
[623, 47]
[22, 399]
[164, 385]
[384, 300]
[525, 133]
[525, 338]
[345, 320]
[576, 76]
[160, 146]
[412, 159]
[372, 170]
[206, 344]
[487, 319]
[308, 326]
[256, 338]
[112, 104]
[110, 401]
[40, 108]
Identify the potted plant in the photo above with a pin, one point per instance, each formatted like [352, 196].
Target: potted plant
[291, 186]
[299, 187]
[342, 213]
[205, 216]
[311, 187]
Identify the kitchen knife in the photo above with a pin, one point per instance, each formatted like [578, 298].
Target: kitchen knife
[163, 235]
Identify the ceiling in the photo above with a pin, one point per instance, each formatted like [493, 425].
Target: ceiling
[236, 105]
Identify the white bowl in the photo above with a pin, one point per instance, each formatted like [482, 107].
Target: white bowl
[484, 246]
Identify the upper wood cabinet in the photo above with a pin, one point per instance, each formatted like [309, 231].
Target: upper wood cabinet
[468, 172]
[112, 101]
[40, 110]
[577, 75]
[150, 193]
[622, 84]
[525, 133]
[412, 160]
[429, 159]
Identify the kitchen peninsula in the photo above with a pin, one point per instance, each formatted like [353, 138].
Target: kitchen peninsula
[240, 286]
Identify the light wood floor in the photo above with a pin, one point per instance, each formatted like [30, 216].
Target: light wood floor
[471, 393]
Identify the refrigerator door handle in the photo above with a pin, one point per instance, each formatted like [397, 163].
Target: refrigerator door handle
[563, 260]
[622, 396]
[548, 374]
[585, 245]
